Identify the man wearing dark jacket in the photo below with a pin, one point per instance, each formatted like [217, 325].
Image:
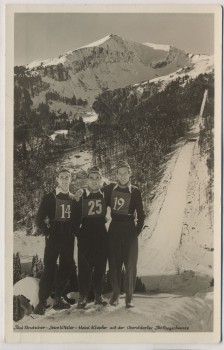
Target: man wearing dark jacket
[92, 239]
[126, 209]
[56, 219]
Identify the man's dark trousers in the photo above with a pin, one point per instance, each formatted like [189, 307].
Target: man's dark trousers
[59, 244]
[92, 258]
[123, 249]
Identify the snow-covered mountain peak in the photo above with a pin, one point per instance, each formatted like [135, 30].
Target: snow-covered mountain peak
[146, 53]
[63, 58]
[96, 43]
[113, 62]
[158, 46]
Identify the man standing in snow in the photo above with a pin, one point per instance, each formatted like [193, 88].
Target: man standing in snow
[125, 202]
[56, 219]
[92, 239]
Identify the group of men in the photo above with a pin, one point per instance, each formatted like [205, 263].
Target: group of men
[62, 216]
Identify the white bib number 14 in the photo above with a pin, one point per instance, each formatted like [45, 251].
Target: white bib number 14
[66, 212]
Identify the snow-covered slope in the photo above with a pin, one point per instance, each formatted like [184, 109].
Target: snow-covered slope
[176, 247]
[48, 62]
[200, 64]
[109, 63]
[158, 46]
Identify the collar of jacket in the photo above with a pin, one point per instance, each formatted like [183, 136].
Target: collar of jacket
[59, 190]
[88, 192]
[129, 187]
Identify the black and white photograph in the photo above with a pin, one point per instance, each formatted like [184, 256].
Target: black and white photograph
[115, 154]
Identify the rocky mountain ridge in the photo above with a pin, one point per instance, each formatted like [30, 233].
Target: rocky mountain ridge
[70, 83]
[110, 63]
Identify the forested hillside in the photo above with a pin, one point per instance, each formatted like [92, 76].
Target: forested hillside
[144, 130]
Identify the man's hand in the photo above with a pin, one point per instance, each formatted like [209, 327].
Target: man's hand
[47, 222]
[78, 194]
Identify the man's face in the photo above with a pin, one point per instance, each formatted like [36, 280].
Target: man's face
[123, 176]
[94, 182]
[64, 179]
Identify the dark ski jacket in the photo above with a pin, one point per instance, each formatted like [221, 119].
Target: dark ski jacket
[47, 209]
[92, 219]
[135, 205]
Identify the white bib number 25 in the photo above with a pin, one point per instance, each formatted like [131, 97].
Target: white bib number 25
[95, 207]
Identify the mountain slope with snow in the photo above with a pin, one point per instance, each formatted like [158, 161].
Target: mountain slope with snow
[109, 63]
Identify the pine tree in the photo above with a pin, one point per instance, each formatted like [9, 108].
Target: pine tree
[139, 286]
[37, 267]
[16, 268]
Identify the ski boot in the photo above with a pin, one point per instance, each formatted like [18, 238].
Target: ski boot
[114, 301]
[129, 303]
[70, 298]
[100, 301]
[82, 303]
[40, 308]
[60, 304]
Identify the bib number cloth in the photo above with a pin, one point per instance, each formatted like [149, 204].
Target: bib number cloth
[93, 208]
[120, 202]
[63, 210]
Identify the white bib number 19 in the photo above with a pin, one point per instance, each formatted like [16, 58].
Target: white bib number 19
[66, 212]
[95, 207]
[118, 203]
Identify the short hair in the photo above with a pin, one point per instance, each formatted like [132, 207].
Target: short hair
[94, 169]
[123, 164]
[63, 170]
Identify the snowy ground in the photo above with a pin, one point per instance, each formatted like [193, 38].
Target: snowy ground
[152, 313]
[90, 117]
[175, 258]
[58, 132]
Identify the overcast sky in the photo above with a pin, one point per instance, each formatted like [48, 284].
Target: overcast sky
[42, 36]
